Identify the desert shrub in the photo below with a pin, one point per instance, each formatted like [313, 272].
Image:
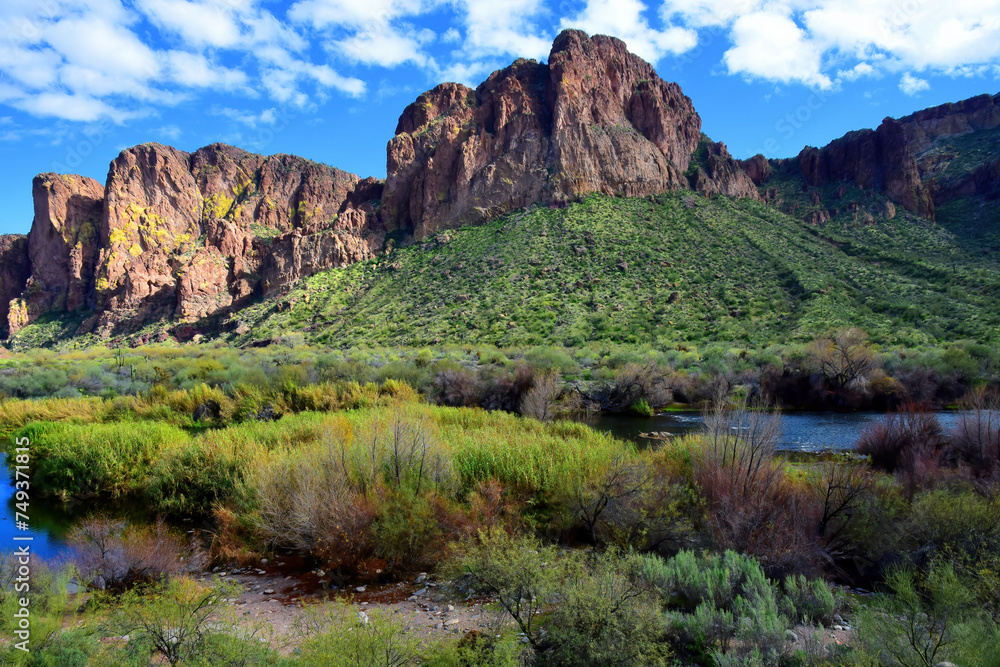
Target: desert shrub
[811, 601]
[458, 389]
[604, 617]
[180, 622]
[337, 635]
[625, 479]
[506, 390]
[113, 555]
[636, 386]
[49, 607]
[753, 506]
[722, 605]
[418, 377]
[958, 525]
[571, 610]
[921, 621]
[975, 439]
[900, 439]
[306, 501]
[412, 532]
[539, 402]
[326, 498]
[842, 489]
[906, 442]
[479, 649]
[510, 569]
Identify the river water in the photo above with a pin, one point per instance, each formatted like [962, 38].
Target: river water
[800, 431]
[48, 521]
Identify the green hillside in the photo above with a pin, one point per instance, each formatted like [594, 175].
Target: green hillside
[666, 269]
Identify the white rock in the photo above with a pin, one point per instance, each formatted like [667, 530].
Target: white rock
[359, 589]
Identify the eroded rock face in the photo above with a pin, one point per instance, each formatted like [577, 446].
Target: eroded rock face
[722, 175]
[908, 159]
[879, 160]
[15, 269]
[596, 118]
[171, 235]
[62, 248]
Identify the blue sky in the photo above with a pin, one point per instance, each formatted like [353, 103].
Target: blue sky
[327, 79]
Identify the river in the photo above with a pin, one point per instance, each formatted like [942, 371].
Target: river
[800, 431]
[48, 521]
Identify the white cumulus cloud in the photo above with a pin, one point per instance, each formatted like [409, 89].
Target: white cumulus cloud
[624, 19]
[911, 85]
[770, 45]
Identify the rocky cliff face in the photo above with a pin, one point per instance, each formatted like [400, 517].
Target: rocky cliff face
[879, 160]
[175, 236]
[61, 247]
[594, 119]
[913, 160]
[15, 269]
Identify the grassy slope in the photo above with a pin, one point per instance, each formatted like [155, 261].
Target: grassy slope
[606, 269]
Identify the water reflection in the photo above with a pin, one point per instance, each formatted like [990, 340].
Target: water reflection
[48, 521]
[800, 431]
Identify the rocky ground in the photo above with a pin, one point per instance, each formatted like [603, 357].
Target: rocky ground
[277, 592]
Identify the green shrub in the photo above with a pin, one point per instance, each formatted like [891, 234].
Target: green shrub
[110, 460]
[337, 635]
[812, 601]
[921, 621]
[181, 622]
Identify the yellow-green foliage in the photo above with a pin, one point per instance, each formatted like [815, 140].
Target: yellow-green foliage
[528, 455]
[15, 414]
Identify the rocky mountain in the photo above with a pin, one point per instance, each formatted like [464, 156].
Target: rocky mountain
[914, 160]
[180, 237]
[188, 238]
[596, 118]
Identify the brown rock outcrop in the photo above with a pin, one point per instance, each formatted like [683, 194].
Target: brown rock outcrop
[62, 247]
[183, 236]
[15, 269]
[758, 168]
[924, 127]
[878, 160]
[596, 118]
[722, 175]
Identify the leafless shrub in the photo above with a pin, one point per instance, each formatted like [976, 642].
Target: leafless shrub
[906, 442]
[844, 358]
[326, 499]
[309, 504]
[753, 507]
[635, 382]
[398, 450]
[843, 490]
[540, 401]
[976, 437]
[622, 481]
[505, 392]
[113, 555]
[458, 389]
